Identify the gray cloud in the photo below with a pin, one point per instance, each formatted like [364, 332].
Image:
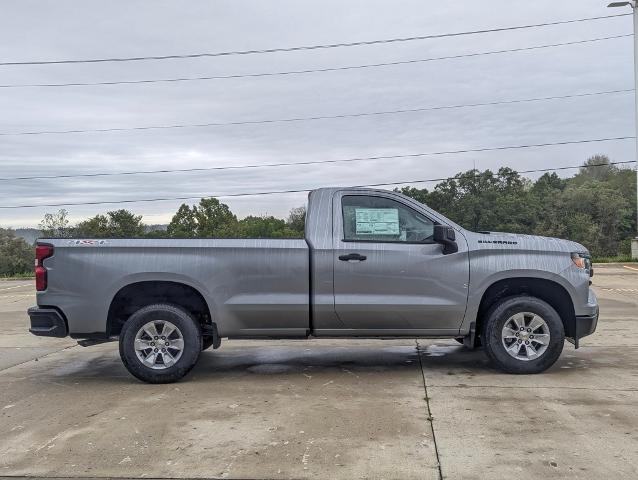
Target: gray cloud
[67, 29]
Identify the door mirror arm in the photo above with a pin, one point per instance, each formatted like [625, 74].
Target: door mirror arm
[446, 236]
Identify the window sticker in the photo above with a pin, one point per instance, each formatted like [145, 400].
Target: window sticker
[377, 221]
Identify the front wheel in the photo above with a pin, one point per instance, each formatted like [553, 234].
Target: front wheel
[523, 334]
[160, 343]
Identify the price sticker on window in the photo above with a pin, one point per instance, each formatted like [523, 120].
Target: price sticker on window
[377, 221]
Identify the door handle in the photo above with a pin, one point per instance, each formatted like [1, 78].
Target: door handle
[352, 256]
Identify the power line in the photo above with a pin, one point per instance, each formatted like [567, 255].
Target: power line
[313, 118]
[317, 162]
[311, 47]
[314, 70]
[275, 192]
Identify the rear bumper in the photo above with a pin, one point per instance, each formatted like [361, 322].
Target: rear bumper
[47, 322]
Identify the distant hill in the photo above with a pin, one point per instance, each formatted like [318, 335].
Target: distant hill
[151, 228]
[29, 234]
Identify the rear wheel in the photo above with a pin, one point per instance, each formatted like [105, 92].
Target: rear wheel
[160, 343]
[523, 334]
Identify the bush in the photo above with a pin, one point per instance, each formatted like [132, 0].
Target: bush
[16, 255]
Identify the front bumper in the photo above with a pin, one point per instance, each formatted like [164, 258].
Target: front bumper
[586, 325]
[583, 325]
[47, 322]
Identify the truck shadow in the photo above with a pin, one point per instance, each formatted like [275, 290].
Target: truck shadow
[297, 358]
[435, 359]
[268, 360]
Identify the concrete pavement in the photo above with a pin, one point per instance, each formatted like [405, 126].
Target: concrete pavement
[324, 409]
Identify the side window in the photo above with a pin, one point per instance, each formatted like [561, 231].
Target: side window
[379, 219]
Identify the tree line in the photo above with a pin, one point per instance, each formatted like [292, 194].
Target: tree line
[595, 207]
[210, 218]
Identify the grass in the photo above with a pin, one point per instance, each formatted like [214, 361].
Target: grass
[617, 259]
[18, 276]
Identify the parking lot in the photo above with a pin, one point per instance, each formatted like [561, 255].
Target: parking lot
[324, 409]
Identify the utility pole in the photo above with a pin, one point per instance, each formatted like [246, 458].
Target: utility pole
[634, 5]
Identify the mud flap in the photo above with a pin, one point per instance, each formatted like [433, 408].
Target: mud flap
[211, 331]
[469, 341]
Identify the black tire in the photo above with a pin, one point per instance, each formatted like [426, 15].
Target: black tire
[493, 342]
[207, 342]
[192, 339]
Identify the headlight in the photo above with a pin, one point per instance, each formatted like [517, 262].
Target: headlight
[583, 261]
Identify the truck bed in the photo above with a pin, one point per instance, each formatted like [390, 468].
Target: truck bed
[258, 286]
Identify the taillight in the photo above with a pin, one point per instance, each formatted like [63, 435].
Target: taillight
[41, 252]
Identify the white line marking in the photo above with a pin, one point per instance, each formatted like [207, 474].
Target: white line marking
[630, 268]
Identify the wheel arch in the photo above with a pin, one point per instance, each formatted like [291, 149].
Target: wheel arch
[550, 291]
[136, 295]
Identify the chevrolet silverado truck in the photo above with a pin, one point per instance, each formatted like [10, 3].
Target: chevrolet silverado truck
[373, 264]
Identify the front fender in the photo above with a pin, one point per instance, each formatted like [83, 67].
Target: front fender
[480, 284]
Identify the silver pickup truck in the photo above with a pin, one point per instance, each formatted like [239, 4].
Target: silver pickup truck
[373, 264]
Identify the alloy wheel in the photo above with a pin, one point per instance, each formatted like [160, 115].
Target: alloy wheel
[525, 336]
[159, 344]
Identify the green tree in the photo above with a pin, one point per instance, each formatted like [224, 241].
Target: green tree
[547, 205]
[608, 196]
[420, 195]
[115, 224]
[297, 220]
[209, 219]
[183, 223]
[623, 181]
[56, 225]
[548, 184]
[16, 255]
[601, 211]
[596, 168]
[125, 224]
[481, 200]
[265, 227]
[97, 227]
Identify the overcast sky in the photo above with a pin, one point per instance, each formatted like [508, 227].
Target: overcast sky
[43, 30]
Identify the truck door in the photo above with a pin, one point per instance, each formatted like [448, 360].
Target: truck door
[389, 275]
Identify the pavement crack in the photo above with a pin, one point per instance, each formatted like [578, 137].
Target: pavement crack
[535, 387]
[610, 347]
[430, 418]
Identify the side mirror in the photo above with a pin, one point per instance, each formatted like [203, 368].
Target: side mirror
[446, 236]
